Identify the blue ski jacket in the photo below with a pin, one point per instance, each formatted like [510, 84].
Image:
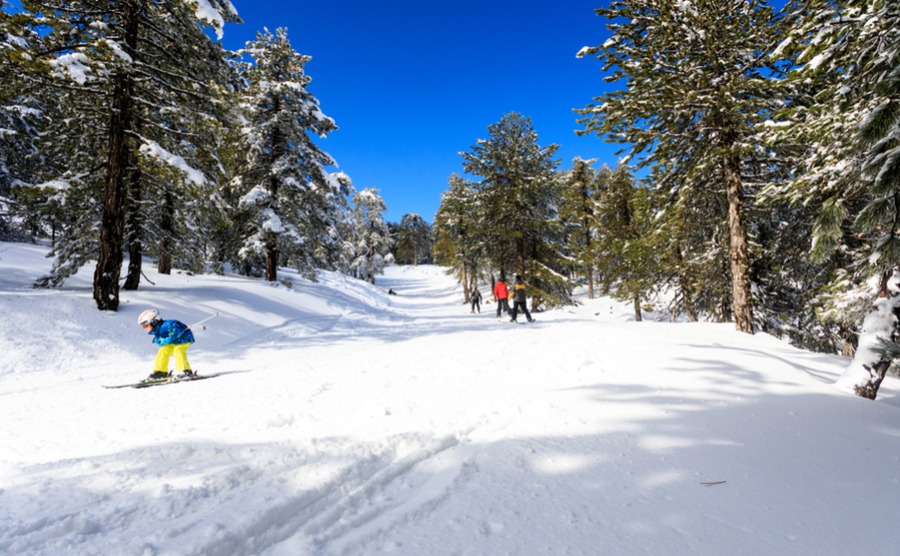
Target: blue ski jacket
[171, 332]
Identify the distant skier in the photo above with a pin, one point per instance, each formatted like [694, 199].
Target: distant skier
[501, 294]
[519, 300]
[475, 298]
[173, 338]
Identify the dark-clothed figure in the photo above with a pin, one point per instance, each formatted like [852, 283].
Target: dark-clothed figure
[519, 297]
[475, 298]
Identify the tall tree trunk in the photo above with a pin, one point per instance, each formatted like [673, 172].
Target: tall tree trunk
[520, 257]
[272, 257]
[112, 224]
[638, 315]
[167, 232]
[586, 225]
[739, 258]
[135, 222]
[688, 302]
[590, 278]
[685, 287]
[135, 254]
[133, 241]
[464, 278]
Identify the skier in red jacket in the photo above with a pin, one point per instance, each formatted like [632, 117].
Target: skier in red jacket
[501, 294]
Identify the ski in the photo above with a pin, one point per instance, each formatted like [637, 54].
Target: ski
[162, 382]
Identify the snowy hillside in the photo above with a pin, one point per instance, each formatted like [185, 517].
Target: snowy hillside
[349, 422]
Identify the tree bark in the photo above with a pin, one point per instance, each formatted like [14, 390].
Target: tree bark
[685, 287]
[166, 228]
[112, 224]
[271, 257]
[464, 278]
[739, 258]
[135, 254]
[520, 257]
[133, 241]
[586, 227]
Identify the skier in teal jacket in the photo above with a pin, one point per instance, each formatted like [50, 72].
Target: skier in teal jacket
[173, 338]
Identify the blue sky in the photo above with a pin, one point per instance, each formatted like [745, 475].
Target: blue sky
[413, 83]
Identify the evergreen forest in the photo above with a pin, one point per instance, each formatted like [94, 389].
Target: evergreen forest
[758, 178]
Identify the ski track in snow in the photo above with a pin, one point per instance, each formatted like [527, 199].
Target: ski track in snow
[350, 422]
[334, 506]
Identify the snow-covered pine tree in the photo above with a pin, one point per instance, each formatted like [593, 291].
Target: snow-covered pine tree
[577, 212]
[457, 243]
[373, 240]
[288, 189]
[329, 214]
[520, 191]
[689, 246]
[20, 112]
[623, 216]
[143, 69]
[413, 240]
[850, 51]
[696, 85]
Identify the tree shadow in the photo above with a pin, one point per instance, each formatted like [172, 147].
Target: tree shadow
[784, 473]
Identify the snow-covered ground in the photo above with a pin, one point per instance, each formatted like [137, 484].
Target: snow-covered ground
[347, 421]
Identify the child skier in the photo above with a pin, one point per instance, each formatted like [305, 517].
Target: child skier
[475, 298]
[173, 338]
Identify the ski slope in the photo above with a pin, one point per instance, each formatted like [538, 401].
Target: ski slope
[349, 422]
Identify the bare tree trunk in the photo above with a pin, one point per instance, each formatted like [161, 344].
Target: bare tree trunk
[638, 315]
[587, 250]
[590, 277]
[167, 229]
[133, 277]
[272, 258]
[685, 287]
[520, 258]
[112, 224]
[464, 278]
[688, 305]
[738, 253]
[133, 241]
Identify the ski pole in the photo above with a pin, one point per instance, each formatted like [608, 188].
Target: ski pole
[212, 316]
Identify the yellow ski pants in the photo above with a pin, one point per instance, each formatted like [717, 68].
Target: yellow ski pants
[162, 358]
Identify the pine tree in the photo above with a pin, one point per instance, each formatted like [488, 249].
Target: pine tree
[457, 233]
[697, 87]
[144, 70]
[21, 211]
[688, 238]
[372, 239]
[850, 51]
[520, 191]
[620, 257]
[413, 240]
[577, 212]
[289, 191]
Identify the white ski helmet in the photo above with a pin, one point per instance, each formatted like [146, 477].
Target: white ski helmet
[148, 316]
